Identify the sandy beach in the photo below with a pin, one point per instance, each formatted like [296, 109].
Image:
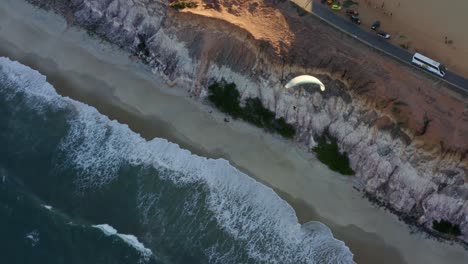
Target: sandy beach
[434, 28]
[100, 75]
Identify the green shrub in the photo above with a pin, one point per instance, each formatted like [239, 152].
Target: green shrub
[283, 128]
[446, 227]
[226, 98]
[142, 49]
[255, 113]
[179, 5]
[328, 153]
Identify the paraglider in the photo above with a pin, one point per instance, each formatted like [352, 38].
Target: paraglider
[305, 79]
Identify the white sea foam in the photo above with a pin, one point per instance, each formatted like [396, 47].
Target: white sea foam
[129, 239]
[33, 237]
[246, 209]
[48, 207]
[107, 229]
[23, 78]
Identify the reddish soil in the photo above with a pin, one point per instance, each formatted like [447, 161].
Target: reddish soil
[429, 111]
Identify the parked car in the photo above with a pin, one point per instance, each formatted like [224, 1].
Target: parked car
[351, 12]
[336, 7]
[384, 35]
[375, 25]
[356, 19]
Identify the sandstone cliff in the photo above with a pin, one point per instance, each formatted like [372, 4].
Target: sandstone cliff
[406, 134]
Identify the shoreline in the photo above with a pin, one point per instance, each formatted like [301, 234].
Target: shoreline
[147, 112]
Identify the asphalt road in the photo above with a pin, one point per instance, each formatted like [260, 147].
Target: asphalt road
[324, 12]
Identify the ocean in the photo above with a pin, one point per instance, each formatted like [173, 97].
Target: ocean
[77, 187]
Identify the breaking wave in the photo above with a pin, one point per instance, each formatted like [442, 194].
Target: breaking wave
[129, 239]
[189, 208]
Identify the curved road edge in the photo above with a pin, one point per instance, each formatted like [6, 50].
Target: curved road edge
[456, 82]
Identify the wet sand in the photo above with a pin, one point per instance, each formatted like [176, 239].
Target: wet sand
[423, 25]
[91, 71]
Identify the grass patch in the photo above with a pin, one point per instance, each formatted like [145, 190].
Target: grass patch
[227, 99]
[179, 5]
[349, 3]
[446, 227]
[328, 153]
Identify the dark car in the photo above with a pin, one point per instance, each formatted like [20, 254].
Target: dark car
[351, 12]
[356, 19]
[384, 35]
[375, 25]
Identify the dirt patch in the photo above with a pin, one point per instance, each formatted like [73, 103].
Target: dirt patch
[295, 44]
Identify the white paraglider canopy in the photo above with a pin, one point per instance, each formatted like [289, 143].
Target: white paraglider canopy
[304, 79]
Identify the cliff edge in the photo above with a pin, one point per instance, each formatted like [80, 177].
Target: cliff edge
[405, 133]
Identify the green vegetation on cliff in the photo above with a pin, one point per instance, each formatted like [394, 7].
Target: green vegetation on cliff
[227, 99]
[142, 49]
[446, 227]
[179, 5]
[328, 153]
[255, 113]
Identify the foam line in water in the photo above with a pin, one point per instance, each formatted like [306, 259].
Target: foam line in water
[33, 237]
[48, 207]
[246, 209]
[129, 239]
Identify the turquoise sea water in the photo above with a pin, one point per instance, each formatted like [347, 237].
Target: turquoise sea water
[76, 187]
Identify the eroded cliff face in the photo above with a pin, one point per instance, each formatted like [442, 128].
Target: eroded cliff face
[406, 136]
